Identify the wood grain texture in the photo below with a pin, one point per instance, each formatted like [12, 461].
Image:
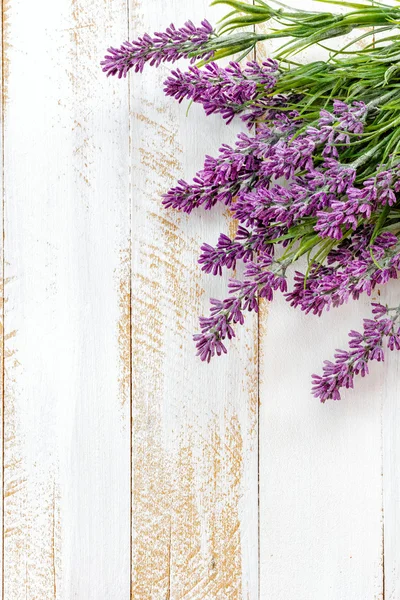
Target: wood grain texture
[3, 79]
[194, 439]
[132, 470]
[67, 213]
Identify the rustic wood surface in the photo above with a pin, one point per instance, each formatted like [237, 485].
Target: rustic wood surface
[130, 470]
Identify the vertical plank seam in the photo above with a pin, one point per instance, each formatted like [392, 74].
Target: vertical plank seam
[130, 324]
[53, 543]
[258, 459]
[383, 582]
[168, 596]
[383, 555]
[2, 292]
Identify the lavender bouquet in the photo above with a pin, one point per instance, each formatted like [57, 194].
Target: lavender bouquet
[318, 174]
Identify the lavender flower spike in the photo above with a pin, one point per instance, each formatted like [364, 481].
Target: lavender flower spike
[167, 46]
[225, 91]
[223, 177]
[364, 347]
[261, 280]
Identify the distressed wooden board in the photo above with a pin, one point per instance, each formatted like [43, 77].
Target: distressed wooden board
[328, 498]
[194, 439]
[3, 71]
[391, 464]
[163, 505]
[320, 476]
[391, 460]
[67, 213]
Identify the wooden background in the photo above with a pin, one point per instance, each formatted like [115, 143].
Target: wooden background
[129, 469]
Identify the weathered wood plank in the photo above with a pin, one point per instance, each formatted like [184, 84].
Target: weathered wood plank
[3, 79]
[391, 463]
[320, 475]
[194, 520]
[391, 460]
[320, 465]
[67, 212]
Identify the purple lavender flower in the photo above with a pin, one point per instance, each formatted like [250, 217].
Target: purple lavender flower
[351, 118]
[358, 203]
[260, 280]
[382, 188]
[290, 156]
[341, 216]
[363, 347]
[167, 46]
[223, 177]
[225, 91]
[281, 206]
[334, 128]
[244, 247]
[225, 254]
[339, 177]
[350, 272]
[272, 110]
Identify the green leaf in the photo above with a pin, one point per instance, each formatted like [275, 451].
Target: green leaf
[324, 34]
[355, 41]
[246, 8]
[225, 17]
[224, 52]
[245, 53]
[297, 232]
[237, 22]
[306, 244]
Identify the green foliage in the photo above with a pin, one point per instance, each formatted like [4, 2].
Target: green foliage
[302, 28]
[370, 73]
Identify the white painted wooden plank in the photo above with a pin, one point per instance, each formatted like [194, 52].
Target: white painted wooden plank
[391, 458]
[320, 473]
[194, 527]
[391, 463]
[321, 525]
[3, 79]
[67, 434]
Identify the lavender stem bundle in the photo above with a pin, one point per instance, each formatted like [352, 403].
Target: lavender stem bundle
[317, 175]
